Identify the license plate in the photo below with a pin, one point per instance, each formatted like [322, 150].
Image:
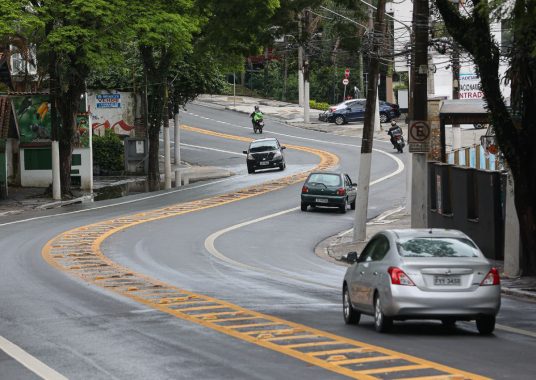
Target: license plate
[447, 280]
[321, 200]
[264, 163]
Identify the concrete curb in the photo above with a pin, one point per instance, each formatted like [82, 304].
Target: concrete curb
[57, 204]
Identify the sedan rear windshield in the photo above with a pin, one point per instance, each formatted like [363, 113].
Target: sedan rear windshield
[325, 179]
[263, 146]
[436, 247]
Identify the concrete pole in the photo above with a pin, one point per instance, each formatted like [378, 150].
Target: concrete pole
[56, 182]
[306, 118]
[408, 186]
[419, 193]
[419, 92]
[177, 139]
[363, 181]
[512, 251]
[167, 158]
[377, 124]
[300, 64]
[360, 221]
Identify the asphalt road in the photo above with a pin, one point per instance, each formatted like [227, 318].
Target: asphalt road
[256, 253]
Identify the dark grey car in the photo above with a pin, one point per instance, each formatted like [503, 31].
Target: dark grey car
[328, 189]
[265, 154]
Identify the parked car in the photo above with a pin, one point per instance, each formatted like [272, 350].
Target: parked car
[394, 107]
[265, 154]
[355, 111]
[421, 274]
[328, 189]
[347, 103]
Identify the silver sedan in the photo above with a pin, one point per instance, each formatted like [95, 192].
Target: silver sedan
[421, 274]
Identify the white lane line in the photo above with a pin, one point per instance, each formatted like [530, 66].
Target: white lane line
[515, 330]
[29, 361]
[211, 248]
[214, 149]
[123, 203]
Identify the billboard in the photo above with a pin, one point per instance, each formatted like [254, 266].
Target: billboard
[33, 118]
[113, 110]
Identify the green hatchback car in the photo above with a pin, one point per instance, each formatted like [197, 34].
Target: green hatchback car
[328, 189]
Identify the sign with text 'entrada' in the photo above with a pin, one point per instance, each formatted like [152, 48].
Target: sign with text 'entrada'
[419, 136]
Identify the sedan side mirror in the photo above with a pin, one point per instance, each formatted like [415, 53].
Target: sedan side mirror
[245, 151]
[350, 257]
[283, 147]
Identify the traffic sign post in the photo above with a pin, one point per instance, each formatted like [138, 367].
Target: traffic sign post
[345, 81]
[419, 136]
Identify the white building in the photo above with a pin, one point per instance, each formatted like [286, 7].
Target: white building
[441, 80]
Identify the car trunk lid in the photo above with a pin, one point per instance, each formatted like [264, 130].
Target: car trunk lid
[449, 274]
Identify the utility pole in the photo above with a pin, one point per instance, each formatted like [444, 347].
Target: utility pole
[419, 93]
[177, 138]
[306, 71]
[167, 143]
[360, 224]
[300, 62]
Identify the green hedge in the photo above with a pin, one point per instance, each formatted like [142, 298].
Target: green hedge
[318, 105]
[108, 152]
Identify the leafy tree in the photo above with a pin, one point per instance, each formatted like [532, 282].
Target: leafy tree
[76, 36]
[515, 128]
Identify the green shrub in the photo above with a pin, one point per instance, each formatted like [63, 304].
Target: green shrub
[318, 105]
[108, 152]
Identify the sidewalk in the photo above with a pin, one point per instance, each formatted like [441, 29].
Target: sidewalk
[292, 114]
[334, 247]
[23, 199]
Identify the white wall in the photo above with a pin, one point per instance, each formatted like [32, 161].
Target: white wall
[113, 110]
[43, 178]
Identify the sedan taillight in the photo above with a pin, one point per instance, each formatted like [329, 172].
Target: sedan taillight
[341, 191]
[492, 278]
[304, 189]
[398, 277]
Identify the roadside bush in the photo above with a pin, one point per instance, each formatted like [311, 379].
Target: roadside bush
[108, 152]
[318, 105]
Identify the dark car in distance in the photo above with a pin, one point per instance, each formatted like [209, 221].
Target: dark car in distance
[328, 189]
[265, 154]
[354, 110]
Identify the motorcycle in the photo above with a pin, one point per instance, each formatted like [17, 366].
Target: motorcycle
[258, 126]
[398, 140]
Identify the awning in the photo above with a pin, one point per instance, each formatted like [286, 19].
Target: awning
[464, 111]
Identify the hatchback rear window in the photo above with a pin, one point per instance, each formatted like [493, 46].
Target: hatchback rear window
[436, 247]
[325, 179]
[262, 146]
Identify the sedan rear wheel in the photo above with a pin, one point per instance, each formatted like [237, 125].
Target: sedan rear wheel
[381, 322]
[486, 324]
[383, 117]
[351, 315]
[339, 120]
[304, 206]
[344, 207]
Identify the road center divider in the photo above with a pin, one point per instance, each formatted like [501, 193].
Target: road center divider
[78, 252]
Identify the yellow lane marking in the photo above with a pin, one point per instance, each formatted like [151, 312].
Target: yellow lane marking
[252, 325]
[63, 250]
[364, 360]
[441, 377]
[394, 369]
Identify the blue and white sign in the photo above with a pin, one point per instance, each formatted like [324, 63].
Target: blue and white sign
[108, 101]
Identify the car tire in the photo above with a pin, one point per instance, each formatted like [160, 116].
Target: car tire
[343, 208]
[351, 315]
[282, 166]
[339, 120]
[384, 118]
[304, 206]
[352, 205]
[449, 323]
[485, 324]
[382, 323]
[250, 170]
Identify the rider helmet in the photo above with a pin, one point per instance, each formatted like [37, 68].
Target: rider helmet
[256, 108]
[393, 122]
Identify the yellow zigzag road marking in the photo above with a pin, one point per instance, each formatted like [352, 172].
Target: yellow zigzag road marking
[78, 252]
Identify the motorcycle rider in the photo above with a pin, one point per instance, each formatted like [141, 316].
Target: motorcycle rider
[393, 131]
[256, 116]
